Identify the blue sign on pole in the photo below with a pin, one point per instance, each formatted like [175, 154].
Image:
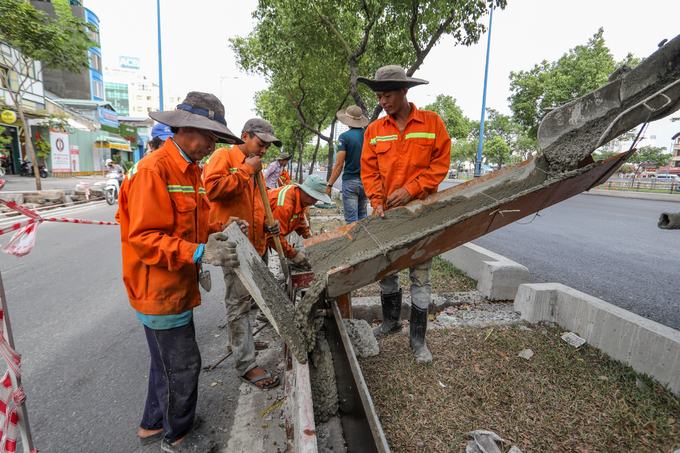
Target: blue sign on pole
[478, 161]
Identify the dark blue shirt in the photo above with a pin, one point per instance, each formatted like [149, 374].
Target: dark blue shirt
[351, 142]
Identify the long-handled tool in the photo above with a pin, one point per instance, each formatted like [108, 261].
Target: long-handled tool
[277, 241]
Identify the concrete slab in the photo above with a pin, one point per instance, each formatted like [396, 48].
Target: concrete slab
[497, 276]
[267, 292]
[647, 346]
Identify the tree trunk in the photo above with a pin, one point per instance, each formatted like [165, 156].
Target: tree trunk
[331, 154]
[316, 151]
[300, 171]
[28, 141]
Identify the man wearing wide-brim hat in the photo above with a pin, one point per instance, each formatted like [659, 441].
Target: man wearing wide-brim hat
[231, 187]
[288, 206]
[348, 162]
[165, 235]
[276, 175]
[406, 155]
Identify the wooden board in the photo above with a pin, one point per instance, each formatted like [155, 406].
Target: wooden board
[268, 294]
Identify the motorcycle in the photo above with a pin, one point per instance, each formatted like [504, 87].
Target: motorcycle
[26, 169]
[111, 187]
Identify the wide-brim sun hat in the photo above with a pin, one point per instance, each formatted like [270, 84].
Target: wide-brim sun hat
[391, 77]
[201, 111]
[353, 116]
[315, 187]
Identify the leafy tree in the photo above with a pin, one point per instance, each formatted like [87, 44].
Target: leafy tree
[550, 84]
[497, 150]
[313, 51]
[59, 42]
[457, 124]
[649, 155]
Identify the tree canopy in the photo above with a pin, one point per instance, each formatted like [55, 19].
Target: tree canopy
[550, 84]
[312, 52]
[58, 42]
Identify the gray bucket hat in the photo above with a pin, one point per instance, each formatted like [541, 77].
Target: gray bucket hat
[263, 130]
[283, 156]
[353, 116]
[390, 78]
[315, 187]
[202, 111]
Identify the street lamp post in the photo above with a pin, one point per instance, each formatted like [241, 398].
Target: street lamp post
[478, 161]
[160, 55]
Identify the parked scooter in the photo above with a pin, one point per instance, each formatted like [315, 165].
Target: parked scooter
[112, 187]
[26, 169]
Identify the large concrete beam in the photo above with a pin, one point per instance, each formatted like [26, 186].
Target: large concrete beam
[647, 346]
[497, 276]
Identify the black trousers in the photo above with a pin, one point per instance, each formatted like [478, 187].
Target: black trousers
[173, 381]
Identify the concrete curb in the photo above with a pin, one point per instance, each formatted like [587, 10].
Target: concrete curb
[635, 195]
[369, 308]
[647, 346]
[497, 276]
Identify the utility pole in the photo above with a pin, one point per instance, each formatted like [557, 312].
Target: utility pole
[160, 55]
[478, 161]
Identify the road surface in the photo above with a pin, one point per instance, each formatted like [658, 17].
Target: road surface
[608, 247]
[85, 356]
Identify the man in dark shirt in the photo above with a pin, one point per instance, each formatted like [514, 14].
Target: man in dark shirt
[354, 199]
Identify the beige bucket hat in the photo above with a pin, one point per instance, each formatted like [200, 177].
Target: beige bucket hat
[391, 77]
[353, 116]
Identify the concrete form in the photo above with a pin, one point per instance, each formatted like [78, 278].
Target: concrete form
[647, 346]
[497, 276]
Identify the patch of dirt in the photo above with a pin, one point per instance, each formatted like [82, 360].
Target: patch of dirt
[444, 279]
[562, 399]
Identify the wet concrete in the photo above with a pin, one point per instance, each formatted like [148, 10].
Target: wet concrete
[361, 335]
[571, 132]
[322, 377]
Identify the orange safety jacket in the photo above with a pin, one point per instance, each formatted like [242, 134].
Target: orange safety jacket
[163, 216]
[287, 209]
[416, 159]
[233, 192]
[284, 178]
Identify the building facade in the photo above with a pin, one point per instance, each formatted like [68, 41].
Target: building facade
[674, 163]
[89, 83]
[131, 92]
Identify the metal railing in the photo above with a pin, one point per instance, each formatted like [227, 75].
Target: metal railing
[642, 185]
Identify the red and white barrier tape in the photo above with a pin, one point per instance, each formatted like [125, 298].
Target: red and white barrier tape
[24, 240]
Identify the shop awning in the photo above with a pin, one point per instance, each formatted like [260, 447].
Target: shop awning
[112, 142]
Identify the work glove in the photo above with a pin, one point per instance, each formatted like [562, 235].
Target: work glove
[274, 230]
[300, 260]
[220, 252]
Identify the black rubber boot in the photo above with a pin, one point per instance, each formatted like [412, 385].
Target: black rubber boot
[418, 327]
[391, 310]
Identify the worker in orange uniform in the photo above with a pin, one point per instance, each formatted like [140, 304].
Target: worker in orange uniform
[288, 205]
[163, 214]
[405, 156]
[231, 188]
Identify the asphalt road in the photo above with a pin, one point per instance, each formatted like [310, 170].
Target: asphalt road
[608, 247]
[85, 359]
